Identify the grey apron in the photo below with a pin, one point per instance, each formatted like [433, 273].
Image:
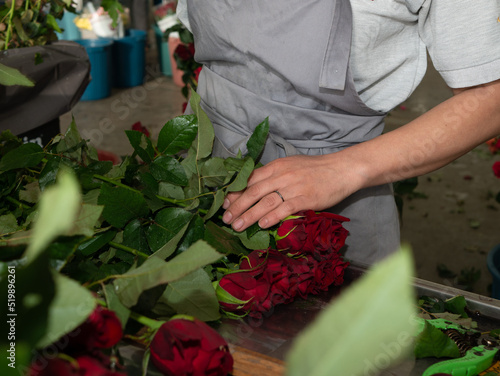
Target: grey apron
[289, 60]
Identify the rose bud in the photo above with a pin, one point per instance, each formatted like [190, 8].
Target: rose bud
[101, 330]
[189, 347]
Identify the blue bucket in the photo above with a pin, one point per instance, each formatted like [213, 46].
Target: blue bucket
[494, 268]
[69, 30]
[99, 51]
[163, 53]
[129, 59]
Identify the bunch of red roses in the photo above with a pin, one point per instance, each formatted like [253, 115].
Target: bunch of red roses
[183, 346]
[80, 351]
[306, 261]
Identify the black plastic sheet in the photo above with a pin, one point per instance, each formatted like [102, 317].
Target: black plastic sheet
[60, 80]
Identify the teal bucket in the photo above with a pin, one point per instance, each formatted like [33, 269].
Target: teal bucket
[67, 25]
[494, 268]
[99, 51]
[129, 59]
[163, 53]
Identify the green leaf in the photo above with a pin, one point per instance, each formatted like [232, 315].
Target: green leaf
[206, 135]
[257, 140]
[169, 248]
[216, 205]
[141, 144]
[70, 307]
[87, 220]
[168, 222]
[48, 175]
[31, 308]
[214, 173]
[223, 241]
[178, 134]
[433, 342]
[115, 305]
[456, 304]
[121, 205]
[96, 242]
[193, 295]
[30, 193]
[241, 180]
[259, 240]
[11, 76]
[168, 169]
[59, 207]
[154, 271]
[25, 156]
[72, 143]
[20, 29]
[374, 317]
[61, 250]
[194, 232]
[114, 8]
[134, 236]
[170, 190]
[51, 21]
[8, 224]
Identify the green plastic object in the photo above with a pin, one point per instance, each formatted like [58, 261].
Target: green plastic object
[475, 361]
[442, 324]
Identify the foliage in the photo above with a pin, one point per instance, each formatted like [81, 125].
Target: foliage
[141, 234]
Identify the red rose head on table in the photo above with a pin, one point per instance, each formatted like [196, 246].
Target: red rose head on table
[189, 347]
[306, 261]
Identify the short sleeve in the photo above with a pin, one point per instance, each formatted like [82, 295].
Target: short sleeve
[463, 39]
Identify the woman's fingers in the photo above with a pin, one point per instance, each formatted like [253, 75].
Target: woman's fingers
[301, 182]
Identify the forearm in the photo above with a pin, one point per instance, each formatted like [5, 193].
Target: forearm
[431, 141]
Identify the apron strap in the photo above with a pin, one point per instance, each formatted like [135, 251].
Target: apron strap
[336, 60]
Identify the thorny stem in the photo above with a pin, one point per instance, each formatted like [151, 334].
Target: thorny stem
[9, 24]
[116, 183]
[17, 203]
[133, 251]
[151, 323]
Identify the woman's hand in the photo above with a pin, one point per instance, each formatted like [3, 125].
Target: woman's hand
[304, 182]
[427, 143]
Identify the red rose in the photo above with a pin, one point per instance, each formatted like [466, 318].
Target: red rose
[496, 169]
[51, 367]
[183, 347]
[197, 72]
[82, 366]
[327, 272]
[185, 52]
[137, 126]
[311, 232]
[101, 330]
[265, 279]
[89, 366]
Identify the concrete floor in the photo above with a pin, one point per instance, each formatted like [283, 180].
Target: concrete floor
[438, 230]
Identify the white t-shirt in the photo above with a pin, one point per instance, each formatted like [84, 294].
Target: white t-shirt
[391, 39]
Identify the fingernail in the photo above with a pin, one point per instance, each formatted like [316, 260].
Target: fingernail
[238, 224]
[226, 203]
[226, 218]
[263, 223]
